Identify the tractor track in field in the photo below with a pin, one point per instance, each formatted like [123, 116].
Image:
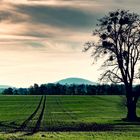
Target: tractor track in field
[24, 124]
[38, 123]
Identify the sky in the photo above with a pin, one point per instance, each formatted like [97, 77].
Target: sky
[41, 41]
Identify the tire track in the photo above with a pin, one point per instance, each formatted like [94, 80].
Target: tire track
[38, 123]
[24, 124]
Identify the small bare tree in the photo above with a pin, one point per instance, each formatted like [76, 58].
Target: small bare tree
[119, 40]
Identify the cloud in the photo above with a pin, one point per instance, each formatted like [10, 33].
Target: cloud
[57, 16]
[31, 24]
[54, 2]
[34, 25]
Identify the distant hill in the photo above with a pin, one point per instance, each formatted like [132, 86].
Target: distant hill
[4, 86]
[76, 81]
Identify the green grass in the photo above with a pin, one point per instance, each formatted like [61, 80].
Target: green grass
[73, 136]
[15, 109]
[102, 114]
[99, 109]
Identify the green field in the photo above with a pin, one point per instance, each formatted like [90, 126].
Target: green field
[65, 118]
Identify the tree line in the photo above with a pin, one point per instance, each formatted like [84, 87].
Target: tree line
[58, 89]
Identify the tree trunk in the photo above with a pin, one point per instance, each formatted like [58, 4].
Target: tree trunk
[131, 110]
[131, 104]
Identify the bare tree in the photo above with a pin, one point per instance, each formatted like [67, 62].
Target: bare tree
[119, 40]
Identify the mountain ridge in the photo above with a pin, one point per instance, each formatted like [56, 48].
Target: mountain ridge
[76, 81]
[4, 86]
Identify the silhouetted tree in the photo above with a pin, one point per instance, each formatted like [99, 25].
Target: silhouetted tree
[119, 40]
[51, 89]
[15, 92]
[91, 90]
[8, 91]
[36, 89]
[31, 90]
[43, 89]
[21, 91]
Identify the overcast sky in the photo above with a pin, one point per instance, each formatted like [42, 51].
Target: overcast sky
[41, 41]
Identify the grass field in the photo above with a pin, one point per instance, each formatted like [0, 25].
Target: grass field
[65, 118]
